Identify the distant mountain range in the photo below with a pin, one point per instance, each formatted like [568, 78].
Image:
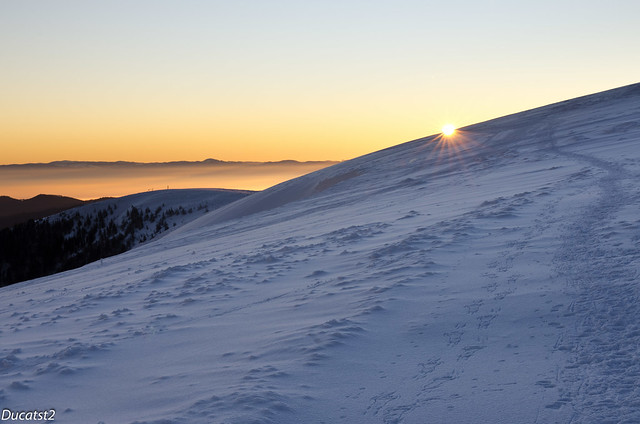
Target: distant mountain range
[14, 211]
[206, 162]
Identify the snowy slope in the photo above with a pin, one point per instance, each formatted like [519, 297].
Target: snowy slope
[100, 229]
[194, 203]
[490, 280]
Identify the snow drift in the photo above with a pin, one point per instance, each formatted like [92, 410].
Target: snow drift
[488, 278]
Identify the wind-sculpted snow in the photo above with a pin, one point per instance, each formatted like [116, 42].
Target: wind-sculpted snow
[490, 281]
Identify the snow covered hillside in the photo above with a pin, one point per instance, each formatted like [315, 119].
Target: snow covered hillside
[173, 208]
[488, 278]
[100, 229]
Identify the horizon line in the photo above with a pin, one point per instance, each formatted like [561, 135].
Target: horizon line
[207, 161]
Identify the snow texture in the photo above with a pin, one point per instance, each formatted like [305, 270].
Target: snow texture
[490, 280]
[179, 206]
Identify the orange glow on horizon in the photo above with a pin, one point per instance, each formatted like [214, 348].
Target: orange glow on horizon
[95, 181]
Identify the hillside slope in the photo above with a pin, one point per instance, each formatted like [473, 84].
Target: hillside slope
[488, 278]
[100, 229]
[13, 211]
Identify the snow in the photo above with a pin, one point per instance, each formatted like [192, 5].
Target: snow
[492, 281]
[194, 202]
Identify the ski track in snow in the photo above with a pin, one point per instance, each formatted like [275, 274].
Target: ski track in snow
[493, 282]
[604, 370]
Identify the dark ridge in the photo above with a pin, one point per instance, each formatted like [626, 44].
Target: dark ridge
[14, 211]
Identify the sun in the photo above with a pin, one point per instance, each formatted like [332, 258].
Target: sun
[448, 129]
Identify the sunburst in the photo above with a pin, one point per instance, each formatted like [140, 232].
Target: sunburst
[448, 130]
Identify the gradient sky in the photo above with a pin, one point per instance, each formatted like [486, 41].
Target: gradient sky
[156, 80]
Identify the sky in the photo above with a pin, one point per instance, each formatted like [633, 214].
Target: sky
[247, 80]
